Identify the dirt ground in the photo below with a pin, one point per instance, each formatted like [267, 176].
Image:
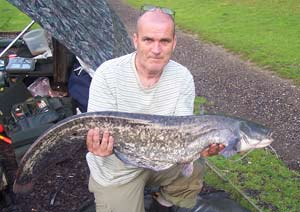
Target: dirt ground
[232, 86]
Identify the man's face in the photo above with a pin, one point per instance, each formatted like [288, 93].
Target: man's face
[154, 43]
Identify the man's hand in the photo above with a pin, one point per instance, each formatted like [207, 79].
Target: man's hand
[103, 147]
[213, 149]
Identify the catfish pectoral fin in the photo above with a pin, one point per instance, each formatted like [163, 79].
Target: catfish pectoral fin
[19, 188]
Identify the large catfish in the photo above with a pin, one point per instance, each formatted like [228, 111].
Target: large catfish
[146, 141]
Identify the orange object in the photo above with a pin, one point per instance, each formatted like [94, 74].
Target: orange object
[1, 128]
[5, 139]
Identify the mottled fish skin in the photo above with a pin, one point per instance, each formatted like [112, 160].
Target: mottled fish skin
[146, 141]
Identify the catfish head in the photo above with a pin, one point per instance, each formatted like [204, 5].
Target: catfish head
[247, 136]
[253, 136]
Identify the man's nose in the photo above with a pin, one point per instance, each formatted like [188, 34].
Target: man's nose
[156, 49]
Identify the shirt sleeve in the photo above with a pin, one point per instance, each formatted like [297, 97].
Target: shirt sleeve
[101, 97]
[185, 103]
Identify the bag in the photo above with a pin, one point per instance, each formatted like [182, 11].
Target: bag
[15, 93]
[31, 118]
[78, 86]
[33, 113]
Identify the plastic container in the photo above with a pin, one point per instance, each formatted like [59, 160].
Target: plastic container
[36, 41]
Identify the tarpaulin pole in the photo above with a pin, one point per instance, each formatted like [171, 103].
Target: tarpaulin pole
[12, 43]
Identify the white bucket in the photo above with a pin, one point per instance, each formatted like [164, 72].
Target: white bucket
[36, 41]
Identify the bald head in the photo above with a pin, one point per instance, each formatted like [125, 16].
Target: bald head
[154, 41]
[156, 17]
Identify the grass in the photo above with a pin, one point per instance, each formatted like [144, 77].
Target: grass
[263, 31]
[269, 184]
[261, 176]
[12, 19]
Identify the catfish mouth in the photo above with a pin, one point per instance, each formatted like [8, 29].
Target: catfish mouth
[265, 142]
[248, 143]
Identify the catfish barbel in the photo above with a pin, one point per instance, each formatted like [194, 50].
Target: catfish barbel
[147, 141]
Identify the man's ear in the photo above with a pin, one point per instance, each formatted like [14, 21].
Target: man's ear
[175, 41]
[135, 40]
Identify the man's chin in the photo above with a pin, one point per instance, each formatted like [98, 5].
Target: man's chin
[156, 69]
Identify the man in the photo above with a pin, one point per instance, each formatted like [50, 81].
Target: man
[146, 81]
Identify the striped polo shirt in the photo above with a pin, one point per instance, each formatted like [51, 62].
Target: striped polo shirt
[116, 87]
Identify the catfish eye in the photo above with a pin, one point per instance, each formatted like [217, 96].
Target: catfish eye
[253, 130]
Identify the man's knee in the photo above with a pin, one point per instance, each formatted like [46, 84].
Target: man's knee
[119, 198]
[184, 190]
[100, 203]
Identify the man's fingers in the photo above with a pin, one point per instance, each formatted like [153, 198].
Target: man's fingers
[221, 147]
[89, 139]
[110, 145]
[104, 141]
[101, 145]
[213, 149]
[96, 138]
[205, 153]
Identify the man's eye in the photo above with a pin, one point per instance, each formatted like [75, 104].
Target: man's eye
[165, 42]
